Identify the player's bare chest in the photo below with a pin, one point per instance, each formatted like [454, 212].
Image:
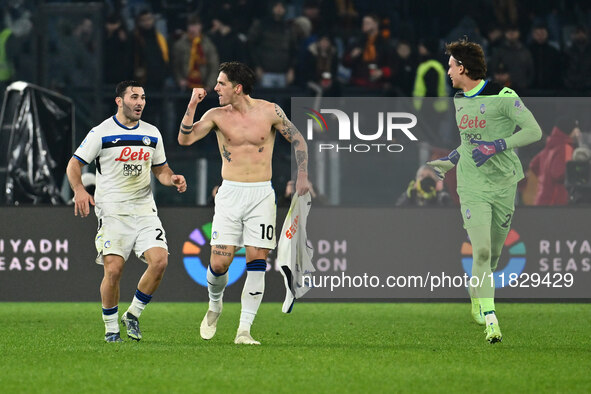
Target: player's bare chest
[245, 130]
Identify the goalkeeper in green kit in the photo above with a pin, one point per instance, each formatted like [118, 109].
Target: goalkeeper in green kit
[487, 167]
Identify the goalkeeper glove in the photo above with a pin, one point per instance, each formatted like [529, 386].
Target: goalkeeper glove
[485, 150]
[444, 164]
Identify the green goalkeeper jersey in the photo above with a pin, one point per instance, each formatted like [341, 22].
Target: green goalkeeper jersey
[489, 112]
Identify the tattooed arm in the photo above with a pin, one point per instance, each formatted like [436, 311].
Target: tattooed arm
[190, 132]
[292, 134]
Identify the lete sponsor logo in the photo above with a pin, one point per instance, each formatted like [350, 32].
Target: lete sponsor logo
[128, 154]
[471, 123]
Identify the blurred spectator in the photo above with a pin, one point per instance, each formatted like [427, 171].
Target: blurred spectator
[501, 75]
[546, 59]
[239, 14]
[15, 34]
[431, 76]
[229, 45]
[302, 33]
[320, 63]
[431, 81]
[578, 176]
[517, 59]
[17, 17]
[195, 59]
[506, 12]
[578, 61]
[311, 11]
[368, 56]
[404, 66]
[495, 38]
[150, 52]
[424, 190]
[245, 12]
[20, 44]
[74, 64]
[467, 27]
[6, 62]
[547, 13]
[323, 14]
[347, 15]
[117, 50]
[549, 166]
[273, 49]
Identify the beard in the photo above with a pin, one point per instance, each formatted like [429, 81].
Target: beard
[130, 113]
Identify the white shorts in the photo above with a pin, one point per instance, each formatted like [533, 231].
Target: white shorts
[244, 215]
[120, 234]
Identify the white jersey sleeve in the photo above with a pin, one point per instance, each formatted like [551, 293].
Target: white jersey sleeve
[90, 148]
[159, 154]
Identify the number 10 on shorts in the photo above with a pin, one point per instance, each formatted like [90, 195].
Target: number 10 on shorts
[267, 231]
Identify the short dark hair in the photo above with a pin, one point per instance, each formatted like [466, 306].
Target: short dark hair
[239, 73]
[193, 19]
[470, 55]
[123, 85]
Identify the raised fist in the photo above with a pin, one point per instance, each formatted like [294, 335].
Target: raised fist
[197, 96]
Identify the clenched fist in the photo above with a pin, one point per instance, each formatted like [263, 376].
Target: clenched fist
[197, 96]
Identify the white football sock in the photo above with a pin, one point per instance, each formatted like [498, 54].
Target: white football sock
[111, 319]
[252, 294]
[216, 284]
[139, 302]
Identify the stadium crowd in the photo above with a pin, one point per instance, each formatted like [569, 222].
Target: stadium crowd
[535, 46]
[310, 47]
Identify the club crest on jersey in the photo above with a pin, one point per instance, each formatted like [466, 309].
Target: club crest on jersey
[518, 105]
[482, 108]
[146, 140]
[468, 214]
[108, 244]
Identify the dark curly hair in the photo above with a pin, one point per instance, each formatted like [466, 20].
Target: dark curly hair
[239, 74]
[470, 55]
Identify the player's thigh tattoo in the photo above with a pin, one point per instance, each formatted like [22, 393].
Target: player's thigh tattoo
[222, 250]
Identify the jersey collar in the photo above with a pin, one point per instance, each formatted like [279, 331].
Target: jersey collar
[476, 90]
[126, 128]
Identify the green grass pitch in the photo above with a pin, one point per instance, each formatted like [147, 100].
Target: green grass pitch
[320, 347]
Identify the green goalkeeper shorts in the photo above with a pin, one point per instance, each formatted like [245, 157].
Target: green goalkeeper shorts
[492, 208]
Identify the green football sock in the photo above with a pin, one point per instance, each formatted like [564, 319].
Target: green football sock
[480, 237]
